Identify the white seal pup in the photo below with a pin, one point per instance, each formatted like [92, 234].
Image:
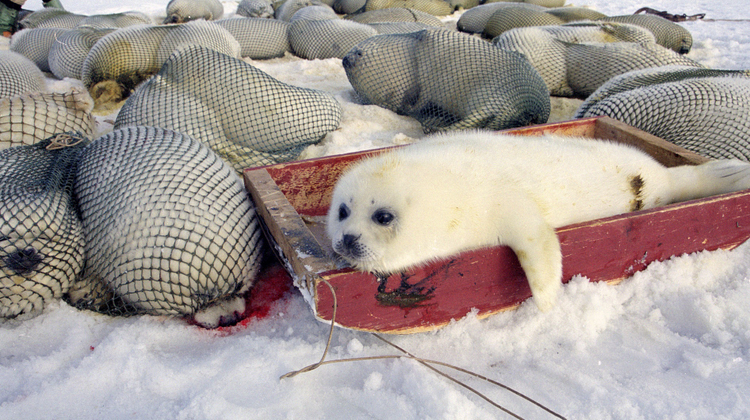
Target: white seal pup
[475, 189]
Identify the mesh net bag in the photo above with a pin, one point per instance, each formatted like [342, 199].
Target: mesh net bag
[573, 13]
[321, 39]
[348, 7]
[246, 116]
[475, 19]
[448, 80]
[31, 118]
[319, 12]
[543, 51]
[591, 65]
[255, 8]
[35, 44]
[541, 47]
[50, 18]
[181, 11]
[667, 34]
[115, 20]
[398, 27]
[583, 32]
[66, 56]
[396, 14]
[516, 17]
[433, 7]
[288, 8]
[19, 75]
[705, 115]
[169, 227]
[651, 76]
[41, 237]
[259, 38]
[124, 58]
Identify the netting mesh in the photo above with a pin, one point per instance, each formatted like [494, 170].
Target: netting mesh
[705, 115]
[249, 118]
[181, 11]
[320, 39]
[168, 225]
[259, 38]
[66, 56]
[41, 237]
[667, 34]
[115, 20]
[398, 27]
[31, 118]
[475, 19]
[651, 76]
[541, 46]
[396, 14]
[347, 7]
[124, 58]
[50, 18]
[318, 12]
[255, 8]
[433, 7]
[288, 8]
[19, 75]
[573, 13]
[35, 44]
[591, 65]
[448, 80]
[517, 17]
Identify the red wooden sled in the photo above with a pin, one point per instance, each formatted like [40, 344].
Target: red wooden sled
[293, 198]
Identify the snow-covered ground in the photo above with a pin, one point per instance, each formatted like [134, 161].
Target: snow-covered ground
[671, 342]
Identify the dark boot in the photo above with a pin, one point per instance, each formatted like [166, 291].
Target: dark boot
[53, 3]
[8, 15]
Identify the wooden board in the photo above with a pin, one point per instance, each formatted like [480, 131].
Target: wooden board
[293, 198]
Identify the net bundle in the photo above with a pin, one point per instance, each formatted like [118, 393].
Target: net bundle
[396, 14]
[124, 58]
[668, 34]
[579, 68]
[35, 44]
[321, 39]
[433, 7]
[66, 56]
[259, 38]
[246, 116]
[169, 227]
[448, 80]
[19, 75]
[255, 8]
[41, 236]
[181, 11]
[702, 110]
[31, 118]
[475, 19]
[50, 18]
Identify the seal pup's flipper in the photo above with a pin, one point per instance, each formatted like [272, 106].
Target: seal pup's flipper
[536, 245]
[710, 178]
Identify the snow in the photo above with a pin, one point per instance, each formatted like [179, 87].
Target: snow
[670, 342]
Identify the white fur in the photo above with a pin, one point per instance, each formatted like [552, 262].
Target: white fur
[460, 191]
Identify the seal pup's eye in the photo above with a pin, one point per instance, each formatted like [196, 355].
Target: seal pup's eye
[383, 217]
[343, 212]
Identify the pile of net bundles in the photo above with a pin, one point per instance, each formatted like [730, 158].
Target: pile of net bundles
[121, 60]
[579, 68]
[448, 80]
[246, 116]
[141, 220]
